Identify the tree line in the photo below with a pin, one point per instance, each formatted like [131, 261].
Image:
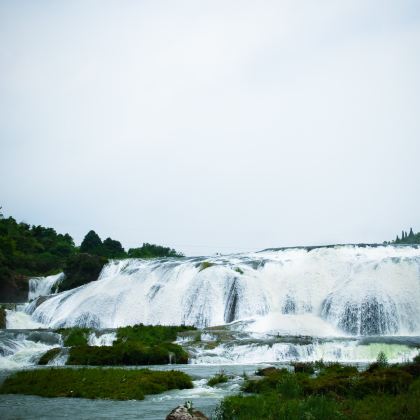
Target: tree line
[408, 238]
[29, 251]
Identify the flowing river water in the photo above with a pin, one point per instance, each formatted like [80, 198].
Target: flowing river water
[343, 303]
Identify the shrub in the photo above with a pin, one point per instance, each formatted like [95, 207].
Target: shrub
[75, 336]
[304, 367]
[218, 379]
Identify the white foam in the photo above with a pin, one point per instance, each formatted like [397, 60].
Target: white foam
[325, 291]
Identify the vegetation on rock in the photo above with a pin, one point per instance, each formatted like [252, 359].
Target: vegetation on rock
[219, 378]
[116, 384]
[49, 355]
[205, 264]
[2, 318]
[75, 336]
[135, 345]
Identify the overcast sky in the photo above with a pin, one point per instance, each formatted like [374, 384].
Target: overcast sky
[212, 126]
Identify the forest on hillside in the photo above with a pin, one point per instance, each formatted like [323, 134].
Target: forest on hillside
[30, 251]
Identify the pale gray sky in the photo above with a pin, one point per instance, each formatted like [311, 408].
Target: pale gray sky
[212, 125]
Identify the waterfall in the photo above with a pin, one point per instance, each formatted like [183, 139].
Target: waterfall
[341, 290]
[43, 286]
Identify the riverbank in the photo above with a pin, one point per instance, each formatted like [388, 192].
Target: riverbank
[328, 391]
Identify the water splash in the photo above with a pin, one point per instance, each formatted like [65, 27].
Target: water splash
[43, 286]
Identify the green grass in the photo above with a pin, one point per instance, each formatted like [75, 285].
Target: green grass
[204, 265]
[219, 378]
[150, 334]
[115, 384]
[337, 392]
[74, 336]
[135, 345]
[127, 354]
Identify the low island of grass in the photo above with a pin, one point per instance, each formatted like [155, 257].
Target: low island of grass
[328, 391]
[115, 384]
[134, 345]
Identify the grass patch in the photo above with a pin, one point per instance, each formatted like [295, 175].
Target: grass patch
[219, 378]
[149, 334]
[115, 384]
[127, 354]
[75, 336]
[136, 345]
[381, 392]
[204, 265]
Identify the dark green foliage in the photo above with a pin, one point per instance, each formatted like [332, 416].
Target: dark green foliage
[32, 250]
[2, 318]
[117, 384]
[74, 336]
[81, 269]
[127, 354]
[219, 378]
[152, 251]
[49, 355]
[383, 392]
[150, 334]
[304, 367]
[113, 249]
[28, 251]
[136, 345]
[91, 244]
[411, 238]
[273, 407]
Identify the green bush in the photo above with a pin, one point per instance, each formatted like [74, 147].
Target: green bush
[118, 384]
[219, 378]
[75, 336]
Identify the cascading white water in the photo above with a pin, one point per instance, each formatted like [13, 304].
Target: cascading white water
[24, 348]
[43, 286]
[324, 291]
[98, 339]
[334, 351]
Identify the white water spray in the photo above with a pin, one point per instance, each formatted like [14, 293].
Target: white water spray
[328, 291]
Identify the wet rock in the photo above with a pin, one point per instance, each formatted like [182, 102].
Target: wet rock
[266, 371]
[2, 318]
[182, 412]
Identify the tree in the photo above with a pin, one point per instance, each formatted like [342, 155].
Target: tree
[411, 234]
[92, 244]
[113, 248]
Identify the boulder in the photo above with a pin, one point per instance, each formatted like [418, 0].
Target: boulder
[183, 413]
